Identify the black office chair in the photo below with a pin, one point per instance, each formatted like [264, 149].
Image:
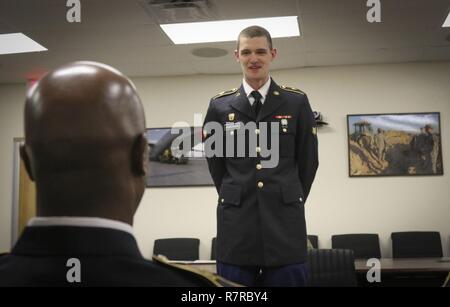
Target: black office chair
[331, 268]
[213, 249]
[364, 245]
[177, 248]
[314, 240]
[416, 244]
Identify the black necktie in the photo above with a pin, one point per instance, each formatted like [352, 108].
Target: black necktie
[257, 103]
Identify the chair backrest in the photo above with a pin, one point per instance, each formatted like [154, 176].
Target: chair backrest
[314, 240]
[213, 249]
[331, 268]
[177, 248]
[416, 244]
[364, 245]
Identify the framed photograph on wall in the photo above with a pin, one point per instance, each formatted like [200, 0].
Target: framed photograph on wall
[400, 144]
[177, 158]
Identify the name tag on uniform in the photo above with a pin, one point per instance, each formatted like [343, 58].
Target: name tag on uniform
[232, 126]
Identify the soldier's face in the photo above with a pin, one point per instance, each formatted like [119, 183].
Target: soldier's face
[255, 58]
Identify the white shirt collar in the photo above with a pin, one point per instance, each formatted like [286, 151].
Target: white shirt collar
[79, 222]
[263, 90]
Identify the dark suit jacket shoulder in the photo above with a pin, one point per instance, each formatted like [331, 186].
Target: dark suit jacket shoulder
[107, 257]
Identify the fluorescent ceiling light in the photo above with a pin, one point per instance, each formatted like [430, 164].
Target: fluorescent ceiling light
[18, 43]
[447, 22]
[228, 30]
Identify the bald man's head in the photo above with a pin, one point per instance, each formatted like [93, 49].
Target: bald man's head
[84, 132]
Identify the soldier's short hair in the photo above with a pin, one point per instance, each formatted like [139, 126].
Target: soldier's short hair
[255, 31]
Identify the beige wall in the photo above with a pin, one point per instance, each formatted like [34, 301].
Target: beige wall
[337, 204]
[11, 104]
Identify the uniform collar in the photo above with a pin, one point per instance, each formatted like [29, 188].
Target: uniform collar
[262, 90]
[76, 221]
[76, 241]
[274, 100]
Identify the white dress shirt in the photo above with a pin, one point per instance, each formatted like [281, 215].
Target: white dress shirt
[79, 222]
[262, 90]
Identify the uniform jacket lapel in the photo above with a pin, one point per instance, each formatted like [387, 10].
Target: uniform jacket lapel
[241, 103]
[271, 104]
[273, 101]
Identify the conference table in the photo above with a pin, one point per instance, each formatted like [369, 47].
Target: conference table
[406, 265]
[431, 272]
[393, 271]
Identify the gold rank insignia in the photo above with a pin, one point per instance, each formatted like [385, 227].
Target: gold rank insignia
[231, 117]
[292, 89]
[314, 130]
[276, 93]
[225, 93]
[209, 279]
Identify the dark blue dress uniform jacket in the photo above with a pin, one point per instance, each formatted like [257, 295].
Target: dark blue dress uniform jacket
[108, 257]
[264, 225]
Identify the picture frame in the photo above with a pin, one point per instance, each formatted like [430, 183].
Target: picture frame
[394, 144]
[171, 165]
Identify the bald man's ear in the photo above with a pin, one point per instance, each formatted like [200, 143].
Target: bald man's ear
[140, 155]
[24, 154]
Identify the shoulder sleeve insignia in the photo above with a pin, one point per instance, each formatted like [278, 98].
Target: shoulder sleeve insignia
[213, 280]
[225, 93]
[292, 89]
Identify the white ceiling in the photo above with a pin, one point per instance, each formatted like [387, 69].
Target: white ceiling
[121, 33]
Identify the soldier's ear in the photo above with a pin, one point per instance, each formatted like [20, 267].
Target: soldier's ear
[140, 155]
[26, 158]
[236, 55]
[274, 53]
